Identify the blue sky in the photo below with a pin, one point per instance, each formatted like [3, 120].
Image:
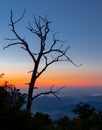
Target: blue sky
[78, 21]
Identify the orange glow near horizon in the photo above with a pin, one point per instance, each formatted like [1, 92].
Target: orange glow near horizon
[56, 82]
[56, 79]
[56, 76]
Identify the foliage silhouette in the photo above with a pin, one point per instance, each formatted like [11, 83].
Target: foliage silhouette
[42, 121]
[88, 118]
[11, 97]
[64, 123]
[17, 119]
[83, 110]
[11, 102]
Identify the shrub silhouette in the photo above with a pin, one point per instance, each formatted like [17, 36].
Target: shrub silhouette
[83, 110]
[11, 101]
[12, 117]
[42, 121]
[11, 97]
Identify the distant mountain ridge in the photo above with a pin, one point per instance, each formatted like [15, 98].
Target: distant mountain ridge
[59, 108]
[69, 98]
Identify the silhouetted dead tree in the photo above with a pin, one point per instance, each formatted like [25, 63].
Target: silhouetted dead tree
[54, 53]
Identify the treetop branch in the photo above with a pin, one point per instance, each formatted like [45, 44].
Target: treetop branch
[19, 18]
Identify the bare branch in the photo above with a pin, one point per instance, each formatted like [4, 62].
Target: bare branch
[30, 71]
[12, 44]
[11, 39]
[22, 41]
[13, 29]
[51, 91]
[1, 75]
[19, 18]
[73, 62]
[32, 30]
[42, 27]
[60, 46]
[59, 58]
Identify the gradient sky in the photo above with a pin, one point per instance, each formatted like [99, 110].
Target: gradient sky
[78, 21]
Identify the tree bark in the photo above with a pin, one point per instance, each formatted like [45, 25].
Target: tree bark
[31, 86]
[30, 92]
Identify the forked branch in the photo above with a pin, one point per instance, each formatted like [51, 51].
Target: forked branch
[51, 91]
[19, 40]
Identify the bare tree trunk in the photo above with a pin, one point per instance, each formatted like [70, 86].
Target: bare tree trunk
[31, 87]
[30, 92]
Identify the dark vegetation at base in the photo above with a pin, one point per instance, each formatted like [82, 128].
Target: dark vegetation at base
[12, 117]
